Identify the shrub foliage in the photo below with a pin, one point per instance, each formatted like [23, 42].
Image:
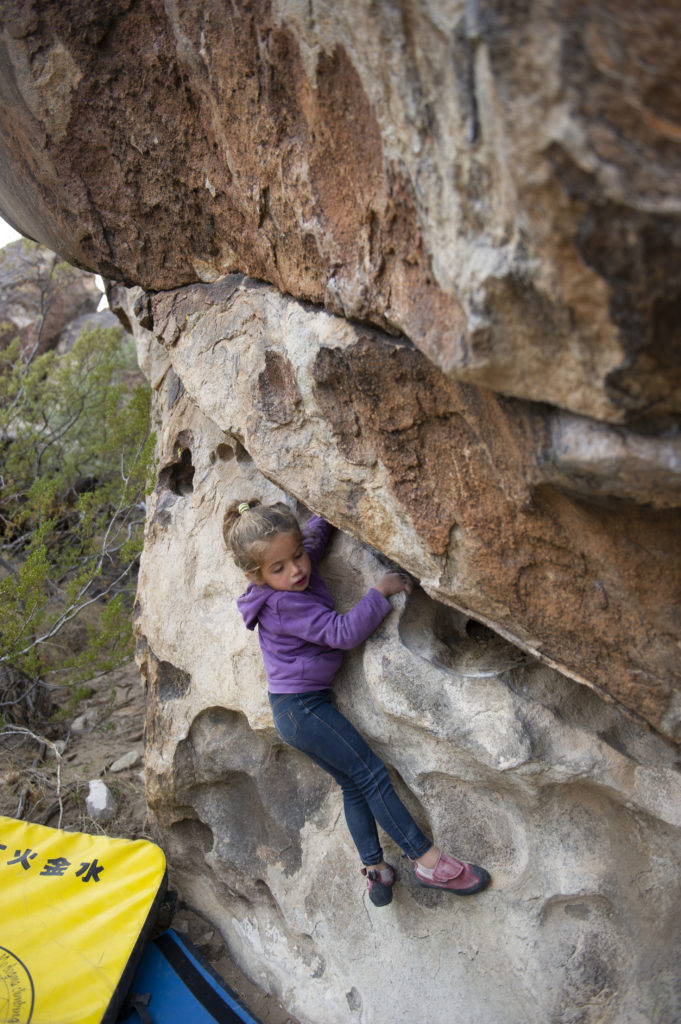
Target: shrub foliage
[76, 457]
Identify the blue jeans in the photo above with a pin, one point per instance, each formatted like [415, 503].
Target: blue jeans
[310, 723]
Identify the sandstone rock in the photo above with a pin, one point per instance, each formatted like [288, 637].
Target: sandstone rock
[560, 533]
[129, 760]
[499, 183]
[457, 340]
[573, 807]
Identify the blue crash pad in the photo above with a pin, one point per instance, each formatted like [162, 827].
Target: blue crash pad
[174, 984]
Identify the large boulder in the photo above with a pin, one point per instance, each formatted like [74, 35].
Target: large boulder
[499, 183]
[572, 805]
[561, 534]
[413, 266]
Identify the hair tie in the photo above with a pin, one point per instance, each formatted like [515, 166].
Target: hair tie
[243, 507]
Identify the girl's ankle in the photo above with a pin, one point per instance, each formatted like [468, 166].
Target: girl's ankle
[429, 859]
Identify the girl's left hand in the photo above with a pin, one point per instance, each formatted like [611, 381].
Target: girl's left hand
[393, 583]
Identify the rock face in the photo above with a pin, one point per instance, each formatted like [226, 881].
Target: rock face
[507, 510]
[415, 267]
[573, 806]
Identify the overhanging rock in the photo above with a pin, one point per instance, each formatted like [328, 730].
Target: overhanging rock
[499, 183]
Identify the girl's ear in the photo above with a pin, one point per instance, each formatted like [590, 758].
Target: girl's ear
[253, 577]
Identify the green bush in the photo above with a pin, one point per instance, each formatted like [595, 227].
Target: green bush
[76, 460]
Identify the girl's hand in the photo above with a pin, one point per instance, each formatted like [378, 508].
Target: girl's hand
[393, 583]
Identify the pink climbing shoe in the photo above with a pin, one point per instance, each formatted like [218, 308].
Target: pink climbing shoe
[380, 885]
[456, 876]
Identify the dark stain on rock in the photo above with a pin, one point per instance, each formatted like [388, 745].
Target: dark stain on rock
[620, 72]
[172, 682]
[277, 391]
[164, 683]
[639, 255]
[387, 400]
[174, 388]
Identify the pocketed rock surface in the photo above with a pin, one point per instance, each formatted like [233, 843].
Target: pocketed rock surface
[571, 804]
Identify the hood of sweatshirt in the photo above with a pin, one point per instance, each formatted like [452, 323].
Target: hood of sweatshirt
[251, 602]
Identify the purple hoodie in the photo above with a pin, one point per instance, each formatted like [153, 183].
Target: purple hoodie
[301, 636]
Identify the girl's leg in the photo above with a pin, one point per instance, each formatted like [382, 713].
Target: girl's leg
[359, 819]
[311, 724]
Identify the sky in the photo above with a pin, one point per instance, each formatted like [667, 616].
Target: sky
[7, 234]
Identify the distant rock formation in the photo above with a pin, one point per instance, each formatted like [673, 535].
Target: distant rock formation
[41, 298]
[415, 267]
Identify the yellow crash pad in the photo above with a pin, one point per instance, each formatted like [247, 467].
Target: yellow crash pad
[76, 911]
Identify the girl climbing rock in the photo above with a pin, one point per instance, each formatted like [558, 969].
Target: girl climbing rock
[302, 638]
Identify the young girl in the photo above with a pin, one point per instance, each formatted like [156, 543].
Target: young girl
[302, 639]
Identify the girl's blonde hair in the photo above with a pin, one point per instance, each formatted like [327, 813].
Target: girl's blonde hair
[248, 527]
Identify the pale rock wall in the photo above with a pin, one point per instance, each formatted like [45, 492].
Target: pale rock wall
[572, 806]
[501, 507]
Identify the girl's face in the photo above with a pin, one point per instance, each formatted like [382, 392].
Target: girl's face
[285, 563]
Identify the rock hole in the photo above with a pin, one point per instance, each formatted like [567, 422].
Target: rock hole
[453, 641]
[241, 453]
[178, 476]
[479, 632]
[224, 452]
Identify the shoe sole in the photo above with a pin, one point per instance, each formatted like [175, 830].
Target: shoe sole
[384, 901]
[380, 893]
